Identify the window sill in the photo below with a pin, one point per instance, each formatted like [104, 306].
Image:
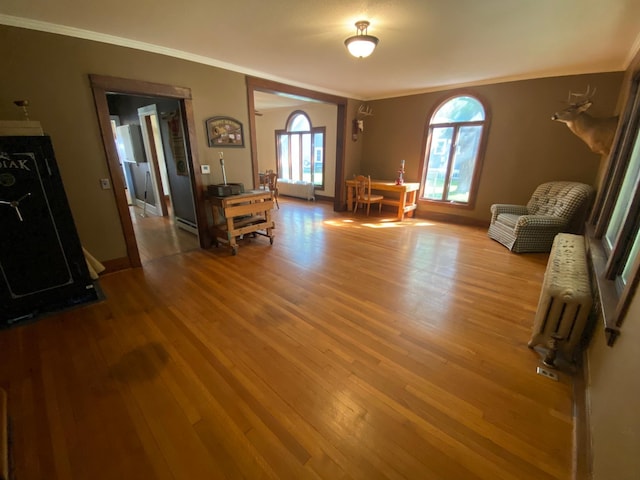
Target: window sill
[607, 296]
[442, 203]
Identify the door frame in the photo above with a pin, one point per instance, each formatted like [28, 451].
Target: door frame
[101, 85]
[149, 140]
[269, 86]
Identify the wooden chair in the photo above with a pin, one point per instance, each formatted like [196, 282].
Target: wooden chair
[363, 194]
[272, 182]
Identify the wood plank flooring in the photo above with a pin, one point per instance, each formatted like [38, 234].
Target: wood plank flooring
[353, 348]
[158, 237]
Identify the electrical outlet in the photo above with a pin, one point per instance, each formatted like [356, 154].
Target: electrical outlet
[547, 373]
[205, 169]
[105, 184]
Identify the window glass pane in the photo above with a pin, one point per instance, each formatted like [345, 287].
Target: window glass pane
[295, 157]
[459, 109]
[624, 197]
[300, 123]
[318, 158]
[283, 157]
[464, 162]
[306, 157]
[626, 271]
[441, 139]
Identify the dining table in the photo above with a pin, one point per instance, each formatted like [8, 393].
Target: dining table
[406, 201]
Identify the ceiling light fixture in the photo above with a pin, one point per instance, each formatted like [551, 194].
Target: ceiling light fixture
[361, 45]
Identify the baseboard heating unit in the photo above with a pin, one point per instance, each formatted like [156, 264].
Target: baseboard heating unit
[298, 189]
[187, 225]
[566, 297]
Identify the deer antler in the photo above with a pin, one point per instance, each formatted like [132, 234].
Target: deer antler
[365, 111]
[582, 98]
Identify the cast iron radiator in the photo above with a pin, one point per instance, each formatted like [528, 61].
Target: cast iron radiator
[566, 299]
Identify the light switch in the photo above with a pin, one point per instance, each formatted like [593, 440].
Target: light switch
[205, 169]
[105, 184]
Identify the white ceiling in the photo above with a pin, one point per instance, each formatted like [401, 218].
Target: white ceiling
[425, 45]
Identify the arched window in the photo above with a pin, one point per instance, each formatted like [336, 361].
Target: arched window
[452, 157]
[300, 150]
[299, 122]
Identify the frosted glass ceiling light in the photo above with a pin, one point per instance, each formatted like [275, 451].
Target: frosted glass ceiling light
[361, 45]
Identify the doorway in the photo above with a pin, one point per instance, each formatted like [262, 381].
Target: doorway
[159, 192]
[255, 84]
[183, 117]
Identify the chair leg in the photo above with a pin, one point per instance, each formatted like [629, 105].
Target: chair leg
[380, 207]
[368, 208]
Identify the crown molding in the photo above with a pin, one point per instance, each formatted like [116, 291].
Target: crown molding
[47, 27]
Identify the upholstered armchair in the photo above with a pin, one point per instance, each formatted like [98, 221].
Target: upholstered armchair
[554, 207]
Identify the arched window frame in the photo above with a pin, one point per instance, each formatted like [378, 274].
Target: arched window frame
[292, 117]
[426, 148]
[287, 171]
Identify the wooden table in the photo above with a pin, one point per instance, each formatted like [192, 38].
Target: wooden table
[406, 202]
[238, 215]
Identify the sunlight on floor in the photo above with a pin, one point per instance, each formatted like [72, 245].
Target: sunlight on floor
[384, 223]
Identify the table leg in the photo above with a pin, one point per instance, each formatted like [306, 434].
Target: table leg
[412, 202]
[349, 198]
[402, 204]
[230, 237]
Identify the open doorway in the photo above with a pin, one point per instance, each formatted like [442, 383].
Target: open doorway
[164, 119]
[255, 84]
[150, 145]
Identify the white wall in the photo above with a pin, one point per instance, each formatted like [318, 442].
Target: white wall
[614, 400]
[613, 383]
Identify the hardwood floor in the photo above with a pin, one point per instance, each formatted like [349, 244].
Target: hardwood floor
[157, 237]
[353, 348]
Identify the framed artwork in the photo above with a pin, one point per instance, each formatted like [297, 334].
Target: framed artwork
[224, 132]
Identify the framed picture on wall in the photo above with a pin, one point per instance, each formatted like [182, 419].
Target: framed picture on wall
[224, 132]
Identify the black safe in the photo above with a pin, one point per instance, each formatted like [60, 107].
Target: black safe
[42, 265]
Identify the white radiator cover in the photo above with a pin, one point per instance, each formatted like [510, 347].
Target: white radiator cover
[566, 299]
[298, 189]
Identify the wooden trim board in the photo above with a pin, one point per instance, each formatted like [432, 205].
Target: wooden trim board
[581, 453]
[4, 437]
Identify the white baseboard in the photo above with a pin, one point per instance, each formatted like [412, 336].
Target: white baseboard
[186, 225]
[151, 209]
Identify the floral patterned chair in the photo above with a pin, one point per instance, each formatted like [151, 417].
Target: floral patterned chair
[554, 207]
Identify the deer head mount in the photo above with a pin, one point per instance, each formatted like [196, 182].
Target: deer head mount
[597, 133]
[364, 111]
[358, 122]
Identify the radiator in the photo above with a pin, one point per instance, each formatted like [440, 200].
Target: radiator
[296, 189]
[566, 299]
